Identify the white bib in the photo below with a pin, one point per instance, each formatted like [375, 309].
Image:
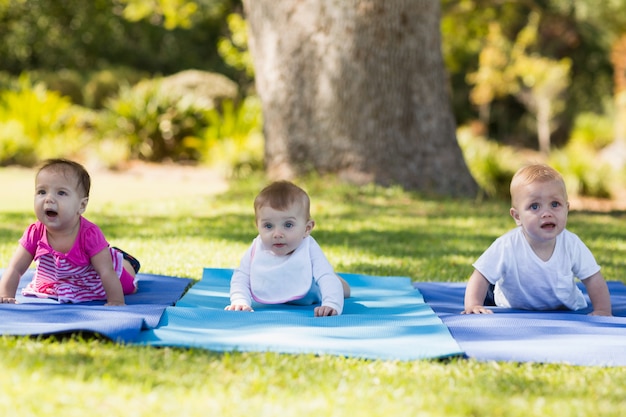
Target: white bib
[280, 279]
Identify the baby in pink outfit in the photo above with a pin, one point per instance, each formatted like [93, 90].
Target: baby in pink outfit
[74, 260]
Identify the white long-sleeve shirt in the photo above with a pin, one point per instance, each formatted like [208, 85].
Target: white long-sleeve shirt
[272, 279]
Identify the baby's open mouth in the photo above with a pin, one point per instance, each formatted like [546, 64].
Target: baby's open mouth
[51, 213]
[548, 226]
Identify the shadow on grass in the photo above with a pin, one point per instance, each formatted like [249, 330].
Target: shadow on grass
[378, 233]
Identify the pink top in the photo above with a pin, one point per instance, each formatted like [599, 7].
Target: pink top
[68, 277]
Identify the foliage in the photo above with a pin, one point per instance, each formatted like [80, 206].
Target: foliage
[584, 175]
[83, 48]
[512, 68]
[173, 14]
[105, 83]
[187, 117]
[191, 116]
[566, 29]
[234, 49]
[176, 13]
[36, 124]
[234, 137]
[491, 164]
[592, 129]
[426, 239]
[157, 125]
[90, 35]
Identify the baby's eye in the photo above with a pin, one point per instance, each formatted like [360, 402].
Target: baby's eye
[62, 193]
[555, 204]
[289, 225]
[40, 192]
[534, 206]
[267, 226]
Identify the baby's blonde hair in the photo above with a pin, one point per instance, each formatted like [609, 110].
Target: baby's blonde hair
[535, 173]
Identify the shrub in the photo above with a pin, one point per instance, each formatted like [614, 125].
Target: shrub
[157, 126]
[66, 82]
[234, 137]
[166, 119]
[594, 130]
[492, 165]
[104, 84]
[36, 123]
[584, 175]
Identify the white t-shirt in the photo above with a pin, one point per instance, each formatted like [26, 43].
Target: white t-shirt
[523, 280]
[271, 279]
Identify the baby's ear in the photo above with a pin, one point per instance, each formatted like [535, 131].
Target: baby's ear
[309, 227]
[83, 205]
[515, 216]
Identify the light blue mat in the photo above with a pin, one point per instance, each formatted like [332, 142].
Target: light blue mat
[36, 316]
[386, 318]
[570, 337]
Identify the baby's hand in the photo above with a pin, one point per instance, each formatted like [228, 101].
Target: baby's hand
[477, 310]
[324, 311]
[115, 304]
[238, 307]
[600, 313]
[8, 300]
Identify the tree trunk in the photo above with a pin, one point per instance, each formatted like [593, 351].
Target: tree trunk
[356, 87]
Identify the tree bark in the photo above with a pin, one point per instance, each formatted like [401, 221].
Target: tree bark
[356, 87]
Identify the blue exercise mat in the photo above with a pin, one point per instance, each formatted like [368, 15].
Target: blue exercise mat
[37, 316]
[563, 336]
[385, 318]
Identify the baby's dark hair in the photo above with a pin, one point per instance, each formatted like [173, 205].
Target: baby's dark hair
[70, 167]
[280, 195]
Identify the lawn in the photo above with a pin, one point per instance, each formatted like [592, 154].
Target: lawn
[177, 225]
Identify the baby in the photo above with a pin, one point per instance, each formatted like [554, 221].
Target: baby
[285, 264]
[534, 266]
[74, 260]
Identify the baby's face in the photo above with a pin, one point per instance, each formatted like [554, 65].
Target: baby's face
[58, 203]
[541, 209]
[282, 231]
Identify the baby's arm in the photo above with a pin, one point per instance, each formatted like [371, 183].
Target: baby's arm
[18, 265]
[599, 294]
[103, 264]
[332, 293]
[475, 293]
[240, 295]
[325, 310]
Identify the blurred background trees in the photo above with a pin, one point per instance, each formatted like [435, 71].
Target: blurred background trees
[528, 80]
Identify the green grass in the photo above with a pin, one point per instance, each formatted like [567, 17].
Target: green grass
[368, 230]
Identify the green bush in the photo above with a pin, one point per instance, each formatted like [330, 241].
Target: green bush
[157, 125]
[68, 83]
[492, 165]
[191, 116]
[36, 123]
[234, 138]
[584, 175]
[594, 130]
[104, 84]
